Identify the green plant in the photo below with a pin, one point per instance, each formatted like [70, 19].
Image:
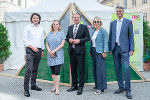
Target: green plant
[146, 37]
[4, 44]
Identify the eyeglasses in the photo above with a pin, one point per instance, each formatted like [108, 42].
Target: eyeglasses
[97, 21]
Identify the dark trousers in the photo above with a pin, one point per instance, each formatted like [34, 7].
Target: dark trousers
[32, 63]
[77, 60]
[122, 60]
[99, 70]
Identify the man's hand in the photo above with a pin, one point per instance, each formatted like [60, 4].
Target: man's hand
[70, 40]
[76, 41]
[33, 48]
[89, 54]
[131, 53]
[110, 52]
[42, 54]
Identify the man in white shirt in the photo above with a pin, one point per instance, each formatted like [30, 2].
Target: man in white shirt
[34, 43]
[121, 46]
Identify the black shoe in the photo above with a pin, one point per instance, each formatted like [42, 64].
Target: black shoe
[72, 89]
[128, 94]
[36, 88]
[102, 91]
[119, 91]
[26, 93]
[80, 90]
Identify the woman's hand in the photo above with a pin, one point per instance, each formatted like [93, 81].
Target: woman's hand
[51, 54]
[104, 55]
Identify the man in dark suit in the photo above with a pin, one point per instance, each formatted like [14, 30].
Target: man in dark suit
[77, 35]
[121, 45]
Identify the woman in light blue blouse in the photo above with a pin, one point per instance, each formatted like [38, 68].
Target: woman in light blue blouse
[98, 49]
[54, 43]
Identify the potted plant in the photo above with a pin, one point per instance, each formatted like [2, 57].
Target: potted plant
[4, 45]
[146, 36]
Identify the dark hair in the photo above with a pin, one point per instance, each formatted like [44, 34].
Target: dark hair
[77, 13]
[120, 7]
[36, 15]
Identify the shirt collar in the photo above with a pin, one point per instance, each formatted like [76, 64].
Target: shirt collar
[77, 25]
[121, 20]
[34, 25]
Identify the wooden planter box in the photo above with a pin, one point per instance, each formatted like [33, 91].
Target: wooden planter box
[146, 66]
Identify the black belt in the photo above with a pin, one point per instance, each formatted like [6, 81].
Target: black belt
[37, 48]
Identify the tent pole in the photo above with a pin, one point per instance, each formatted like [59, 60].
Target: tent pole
[64, 12]
[71, 22]
[133, 67]
[82, 13]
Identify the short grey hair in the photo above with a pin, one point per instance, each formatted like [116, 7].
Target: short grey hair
[120, 7]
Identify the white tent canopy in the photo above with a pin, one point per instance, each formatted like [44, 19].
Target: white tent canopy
[56, 7]
[49, 10]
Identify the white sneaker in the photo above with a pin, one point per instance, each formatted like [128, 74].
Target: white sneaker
[97, 92]
[93, 88]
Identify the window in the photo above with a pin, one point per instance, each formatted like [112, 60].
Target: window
[133, 2]
[144, 1]
[19, 2]
[125, 4]
[117, 4]
[145, 16]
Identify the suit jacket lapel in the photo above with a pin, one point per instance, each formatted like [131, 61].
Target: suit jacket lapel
[115, 27]
[79, 28]
[123, 25]
[72, 31]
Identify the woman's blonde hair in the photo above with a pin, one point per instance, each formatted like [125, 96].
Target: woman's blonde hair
[52, 29]
[98, 19]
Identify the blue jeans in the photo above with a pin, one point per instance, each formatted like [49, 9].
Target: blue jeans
[99, 70]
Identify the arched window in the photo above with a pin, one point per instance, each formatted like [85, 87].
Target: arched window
[19, 2]
[125, 4]
[133, 2]
[144, 1]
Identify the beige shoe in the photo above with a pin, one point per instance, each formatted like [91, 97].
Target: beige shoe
[53, 90]
[57, 92]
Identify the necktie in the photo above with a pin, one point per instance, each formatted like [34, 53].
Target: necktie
[74, 35]
[75, 32]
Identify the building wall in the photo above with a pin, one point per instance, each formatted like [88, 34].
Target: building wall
[13, 5]
[138, 7]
